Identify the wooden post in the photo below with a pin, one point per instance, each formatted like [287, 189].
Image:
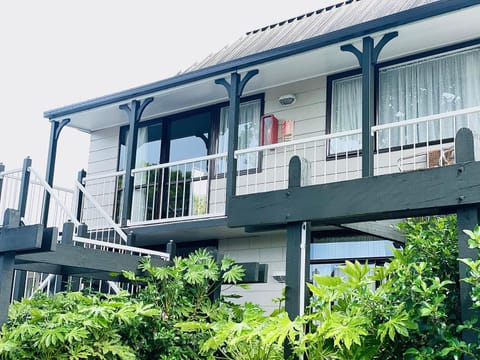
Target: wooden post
[234, 90]
[367, 59]
[467, 219]
[11, 220]
[134, 112]
[80, 176]
[298, 255]
[25, 182]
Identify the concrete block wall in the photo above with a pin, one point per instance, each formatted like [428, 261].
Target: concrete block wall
[266, 249]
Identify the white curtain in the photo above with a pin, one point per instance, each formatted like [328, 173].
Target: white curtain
[427, 87]
[346, 113]
[248, 133]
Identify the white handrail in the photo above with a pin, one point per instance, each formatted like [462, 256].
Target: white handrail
[425, 119]
[145, 252]
[180, 162]
[104, 176]
[102, 212]
[49, 189]
[10, 172]
[299, 141]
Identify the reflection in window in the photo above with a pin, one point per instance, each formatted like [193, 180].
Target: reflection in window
[427, 87]
[327, 257]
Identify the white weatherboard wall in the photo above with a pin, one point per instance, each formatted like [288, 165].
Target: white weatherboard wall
[265, 249]
[308, 112]
[102, 160]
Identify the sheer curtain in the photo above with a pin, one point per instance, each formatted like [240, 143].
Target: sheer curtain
[248, 133]
[346, 113]
[427, 87]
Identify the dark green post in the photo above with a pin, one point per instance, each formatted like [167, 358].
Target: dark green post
[7, 261]
[298, 255]
[55, 130]
[80, 176]
[367, 59]
[467, 219]
[24, 184]
[134, 112]
[234, 89]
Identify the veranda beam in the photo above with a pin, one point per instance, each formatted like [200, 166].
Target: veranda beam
[416, 193]
[86, 260]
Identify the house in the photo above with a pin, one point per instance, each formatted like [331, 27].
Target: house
[358, 89]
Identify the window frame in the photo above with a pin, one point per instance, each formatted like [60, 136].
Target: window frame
[402, 60]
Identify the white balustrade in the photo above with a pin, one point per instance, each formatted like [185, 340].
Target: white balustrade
[421, 143]
[327, 158]
[180, 190]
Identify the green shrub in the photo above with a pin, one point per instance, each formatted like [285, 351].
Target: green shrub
[73, 325]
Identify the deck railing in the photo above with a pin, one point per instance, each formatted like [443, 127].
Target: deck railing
[327, 158]
[101, 206]
[180, 190]
[423, 142]
[59, 209]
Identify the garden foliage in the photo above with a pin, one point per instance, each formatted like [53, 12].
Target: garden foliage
[407, 309]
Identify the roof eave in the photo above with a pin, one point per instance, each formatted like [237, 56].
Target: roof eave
[397, 19]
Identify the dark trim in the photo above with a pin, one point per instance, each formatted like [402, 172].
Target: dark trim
[380, 24]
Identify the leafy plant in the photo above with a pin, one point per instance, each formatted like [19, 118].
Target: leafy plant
[74, 325]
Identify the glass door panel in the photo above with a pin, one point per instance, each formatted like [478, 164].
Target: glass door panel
[187, 184]
[145, 184]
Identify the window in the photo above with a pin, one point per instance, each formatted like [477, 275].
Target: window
[248, 133]
[408, 90]
[427, 87]
[346, 113]
[328, 254]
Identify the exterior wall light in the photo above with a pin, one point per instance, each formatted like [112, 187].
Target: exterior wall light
[286, 100]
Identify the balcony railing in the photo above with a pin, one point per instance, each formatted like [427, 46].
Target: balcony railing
[196, 188]
[400, 146]
[10, 195]
[327, 158]
[423, 142]
[180, 190]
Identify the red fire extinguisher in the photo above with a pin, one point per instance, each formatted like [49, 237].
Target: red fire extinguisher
[268, 130]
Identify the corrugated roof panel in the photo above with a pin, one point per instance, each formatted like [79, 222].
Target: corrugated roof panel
[332, 18]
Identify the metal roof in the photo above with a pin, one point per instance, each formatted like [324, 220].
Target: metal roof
[341, 22]
[332, 18]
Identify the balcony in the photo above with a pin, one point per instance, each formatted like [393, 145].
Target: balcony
[195, 189]
[400, 146]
